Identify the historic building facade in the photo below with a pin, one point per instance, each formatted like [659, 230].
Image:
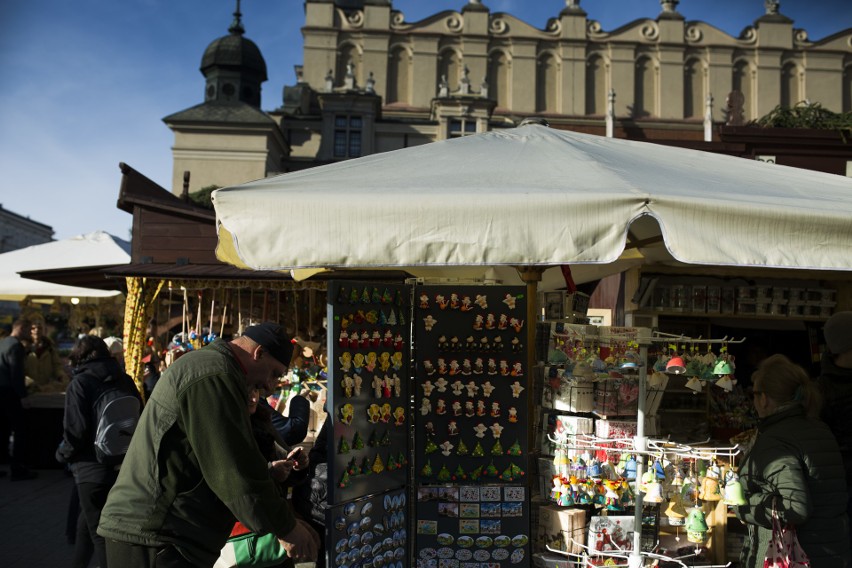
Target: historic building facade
[371, 81]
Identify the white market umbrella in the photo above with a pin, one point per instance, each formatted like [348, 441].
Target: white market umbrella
[92, 249]
[542, 197]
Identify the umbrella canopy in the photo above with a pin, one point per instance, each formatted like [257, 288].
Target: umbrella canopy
[92, 249]
[537, 196]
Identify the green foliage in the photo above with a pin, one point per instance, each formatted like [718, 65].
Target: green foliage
[807, 115]
[202, 196]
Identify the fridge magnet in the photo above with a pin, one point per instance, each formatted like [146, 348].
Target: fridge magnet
[442, 366]
[463, 555]
[459, 474]
[478, 451]
[430, 322]
[498, 343]
[517, 369]
[430, 429]
[345, 361]
[365, 296]
[487, 389]
[357, 442]
[358, 362]
[444, 474]
[344, 480]
[354, 295]
[466, 368]
[513, 414]
[452, 428]
[448, 510]
[517, 556]
[348, 384]
[490, 510]
[365, 466]
[508, 474]
[492, 367]
[491, 471]
[365, 339]
[399, 300]
[442, 343]
[465, 305]
[342, 296]
[515, 449]
[441, 407]
[449, 494]
[480, 430]
[495, 409]
[441, 301]
[462, 450]
[504, 367]
[472, 389]
[457, 408]
[455, 301]
[454, 344]
[484, 344]
[387, 298]
[469, 343]
[399, 416]
[428, 367]
[490, 321]
[397, 342]
[373, 442]
[441, 383]
[516, 324]
[384, 361]
[425, 406]
[502, 541]
[385, 441]
[447, 448]
[478, 322]
[392, 463]
[392, 318]
[503, 322]
[469, 510]
[376, 297]
[446, 539]
[476, 474]
[481, 301]
[375, 339]
[424, 302]
[468, 526]
[426, 471]
[500, 554]
[343, 446]
[401, 318]
[516, 345]
[358, 382]
[469, 411]
[371, 361]
[478, 366]
[383, 319]
[427, 493]
[427, 527]
[378, 464]
[496, 430]
[343, 339]
[497, 449]
[402, 461]
[427, 387]
[517, 389]
[457, 387]
[386, 413]
[454, 367]
[346, 413]
[509, 300]
[480, 408]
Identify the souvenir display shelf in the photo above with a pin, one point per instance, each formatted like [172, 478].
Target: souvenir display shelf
[618, 352]
[428, 402]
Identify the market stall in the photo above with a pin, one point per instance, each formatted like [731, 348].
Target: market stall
[530, 198]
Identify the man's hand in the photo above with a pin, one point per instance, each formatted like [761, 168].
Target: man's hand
[279, 470]
[299, 458]
[301, 544]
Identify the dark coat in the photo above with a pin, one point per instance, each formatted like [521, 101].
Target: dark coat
[835, 384]
[12, 361]
[80, 423]
[796, 462]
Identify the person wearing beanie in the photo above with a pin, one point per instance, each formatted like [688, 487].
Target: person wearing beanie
[194, 467]
[835, 382]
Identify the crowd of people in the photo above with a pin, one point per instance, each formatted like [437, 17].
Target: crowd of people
[208, 456]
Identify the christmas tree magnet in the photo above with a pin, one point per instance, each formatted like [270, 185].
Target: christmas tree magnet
[365, 466]
[387, 298]
[373, 441]
[462, 449]
[343, 446]
[497, 449]
[385, 441]
[401, 459]
[444, 474]
[365, 296]
[354, 295]
[515, 449]
[352, 468]
[507, 474]
[430, 448]
[476, 474]
[357, 442]
[344, 480]
[427, 469]
[341, 295]
[478, 451]
[376, 297]
[491, 470]
[378, 464]
[459, 474]
[392, 465]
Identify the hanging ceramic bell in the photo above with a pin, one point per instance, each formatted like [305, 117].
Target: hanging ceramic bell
[675, 511]
[689, 492]
[676, 365]
[725, 383]
[657, 380]
[678, 478]
[694, 384]
[710, 489]
[630, 469]
[594, 469]
[734, 493]
[696, 526]
[653, 492]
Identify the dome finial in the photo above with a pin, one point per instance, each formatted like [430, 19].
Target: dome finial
[237, 25]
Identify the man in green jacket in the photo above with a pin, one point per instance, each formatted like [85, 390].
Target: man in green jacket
[193, 466]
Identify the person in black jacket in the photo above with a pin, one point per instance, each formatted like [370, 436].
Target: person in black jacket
[13, 354]
[96, 370]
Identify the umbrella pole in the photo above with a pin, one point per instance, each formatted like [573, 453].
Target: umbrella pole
[531, 275]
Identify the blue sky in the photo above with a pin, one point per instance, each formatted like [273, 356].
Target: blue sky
[85, 84]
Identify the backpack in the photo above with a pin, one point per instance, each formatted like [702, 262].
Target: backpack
[319, 494]
[116, 416]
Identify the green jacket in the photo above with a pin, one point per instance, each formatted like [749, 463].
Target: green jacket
[193, 465]
[796, 461]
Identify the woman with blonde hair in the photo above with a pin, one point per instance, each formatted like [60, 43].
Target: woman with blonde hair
[794, 466]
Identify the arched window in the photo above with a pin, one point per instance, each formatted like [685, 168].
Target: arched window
[498, 78]
[644, 90]
[448, 69]
[693, 89]
[741, 81]
[399, 76]
[546, 84]
[789, 85]
[595, 86]
[348, 54]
